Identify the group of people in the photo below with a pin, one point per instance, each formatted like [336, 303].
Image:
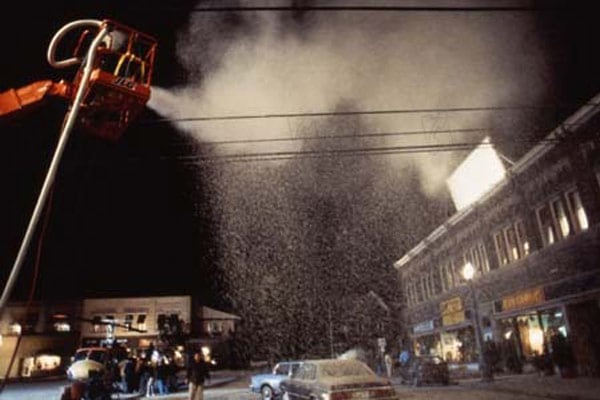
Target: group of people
[152, 374]
[155, 373]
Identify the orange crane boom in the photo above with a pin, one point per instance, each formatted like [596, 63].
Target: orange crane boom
[16, 102]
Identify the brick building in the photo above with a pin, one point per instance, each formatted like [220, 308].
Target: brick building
[534, 240]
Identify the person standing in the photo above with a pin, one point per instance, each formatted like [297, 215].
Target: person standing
[197, 373]
[388, 365]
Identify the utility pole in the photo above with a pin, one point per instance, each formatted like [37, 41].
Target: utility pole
[330, 332]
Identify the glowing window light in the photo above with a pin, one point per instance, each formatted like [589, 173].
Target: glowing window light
[563, 222]
[550, 233]
[476, 175]
[15, 328]
[579, 210]
[62, 327]
[536, 339]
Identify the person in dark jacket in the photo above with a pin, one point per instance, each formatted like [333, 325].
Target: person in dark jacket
[197, 374]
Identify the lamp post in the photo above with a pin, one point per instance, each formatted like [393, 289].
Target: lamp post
[468, 273]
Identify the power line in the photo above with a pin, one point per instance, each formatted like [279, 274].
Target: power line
[375, 8]
[345, 136]
[348, 113]
[390, 150]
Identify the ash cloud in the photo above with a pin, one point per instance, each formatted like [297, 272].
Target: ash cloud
[276, 62]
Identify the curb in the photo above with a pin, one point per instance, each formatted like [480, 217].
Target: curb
[541, 394]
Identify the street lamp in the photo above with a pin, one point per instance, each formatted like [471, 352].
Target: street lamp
[468, 273]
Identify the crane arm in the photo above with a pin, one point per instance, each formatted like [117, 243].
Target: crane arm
[15, 102]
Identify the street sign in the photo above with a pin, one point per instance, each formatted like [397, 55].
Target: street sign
[381, 343]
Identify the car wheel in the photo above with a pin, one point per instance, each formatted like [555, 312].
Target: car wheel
[266, 392]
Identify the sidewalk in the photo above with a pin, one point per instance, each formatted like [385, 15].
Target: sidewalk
[218, 378]
[551, 387]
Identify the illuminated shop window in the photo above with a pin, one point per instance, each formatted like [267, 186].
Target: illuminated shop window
[15, 328]
[62, 326]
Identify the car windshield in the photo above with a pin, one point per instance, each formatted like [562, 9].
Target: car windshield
[97, 355]
[80, 355]
[281, 369]
[339, 369]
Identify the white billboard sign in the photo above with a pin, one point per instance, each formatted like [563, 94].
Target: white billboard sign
[476, 175]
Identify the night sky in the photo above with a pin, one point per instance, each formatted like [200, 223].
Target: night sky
[123, 217]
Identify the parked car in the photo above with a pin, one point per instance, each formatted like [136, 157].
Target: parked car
[268, 384]
[336, 379]
[425, 369]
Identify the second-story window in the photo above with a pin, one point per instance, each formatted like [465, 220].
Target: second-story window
[129, 321]
[442, 273]
[561, 217]
[96, 324]
[477, 256]
[450, 282]
[141, 322]
[576, 210]
[546, 225]
[511, 243]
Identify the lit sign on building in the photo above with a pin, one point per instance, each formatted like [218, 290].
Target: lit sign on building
[476, 175]
[523, 299]
[452, 311]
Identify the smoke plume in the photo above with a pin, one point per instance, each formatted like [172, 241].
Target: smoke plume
[254, 63]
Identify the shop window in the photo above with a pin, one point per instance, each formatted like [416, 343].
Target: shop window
[62, 326]
[47, 362]
[15, 328]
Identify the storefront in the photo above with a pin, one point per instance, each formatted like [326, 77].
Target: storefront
[426, 341]
[457, 335]
[525, 321]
